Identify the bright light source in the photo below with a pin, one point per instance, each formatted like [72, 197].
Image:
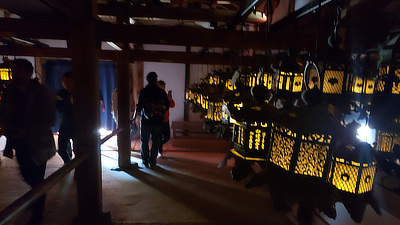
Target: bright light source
[112, 44]
[364, 133]
[23, 41]
[104, 132]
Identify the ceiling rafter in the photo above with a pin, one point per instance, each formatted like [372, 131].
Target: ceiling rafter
[142, 55]
[166, 12]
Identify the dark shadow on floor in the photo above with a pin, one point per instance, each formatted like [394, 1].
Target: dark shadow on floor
[218, 203]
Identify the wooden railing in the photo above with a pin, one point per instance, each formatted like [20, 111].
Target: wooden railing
[35, 193]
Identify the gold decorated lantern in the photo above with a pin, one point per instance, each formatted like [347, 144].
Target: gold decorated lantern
[386, 140]
[303, 139]
[354, 168]
[388, 80]
[267, 78]
[214, 111]
[5, 74]
[290, 76]
[253, 126]
[333, 64]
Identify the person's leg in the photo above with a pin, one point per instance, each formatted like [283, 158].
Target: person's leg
[155, 144]
[144, 143]
[64, 145]
[166, 133]
[33, 175]
[164, 136]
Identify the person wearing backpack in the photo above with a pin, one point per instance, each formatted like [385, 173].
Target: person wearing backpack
[152, 104]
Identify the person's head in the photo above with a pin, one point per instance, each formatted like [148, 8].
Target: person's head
[151, 77]
[22, 70]
[67, 81]
[161, 84]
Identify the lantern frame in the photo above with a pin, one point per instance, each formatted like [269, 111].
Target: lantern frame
[292, 151]
[355, 176]
[251, 140]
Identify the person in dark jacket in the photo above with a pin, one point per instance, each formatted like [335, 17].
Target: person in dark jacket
[152, 105]
[64, 103]
[28, 111]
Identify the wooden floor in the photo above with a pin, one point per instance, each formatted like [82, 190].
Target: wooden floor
[186, 188]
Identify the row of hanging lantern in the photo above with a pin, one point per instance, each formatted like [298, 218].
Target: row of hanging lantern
[294, 148]
[310, 153]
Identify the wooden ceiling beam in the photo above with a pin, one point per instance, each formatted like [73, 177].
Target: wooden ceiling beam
[142, 34]
[185, 36]
[166, 12]
[142, 55]
[45, 29]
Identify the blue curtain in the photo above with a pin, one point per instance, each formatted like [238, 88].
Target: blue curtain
[54, 72]
[107, 71]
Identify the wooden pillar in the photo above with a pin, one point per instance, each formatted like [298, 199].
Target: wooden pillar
[187, 84]
[87, 120]
[123, 138]
[138, 80]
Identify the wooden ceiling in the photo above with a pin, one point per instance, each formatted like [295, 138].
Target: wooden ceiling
[364, 25]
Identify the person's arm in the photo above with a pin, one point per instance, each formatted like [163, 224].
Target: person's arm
[103, 106]
[171, 100]
[139, 106]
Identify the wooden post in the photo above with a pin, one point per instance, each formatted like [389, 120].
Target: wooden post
[123, 138]
[187, 84]
[86, 101]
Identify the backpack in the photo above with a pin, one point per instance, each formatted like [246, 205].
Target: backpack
[155, 110]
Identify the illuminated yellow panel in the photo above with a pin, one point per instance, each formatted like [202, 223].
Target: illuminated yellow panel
[281, 150]
[298, 83]
[228, 85]
[367, 179]
[358, 84]
[380, 86]
[396, 88]
[287, 88]
[238, 106]
[384, 141]
[397, 73]
[333, 82]
[218, 111]
[5, 74]
[311, 159]
[241, 136]
[369, 86]
[384, 70]
[345, 177]
[280, 84]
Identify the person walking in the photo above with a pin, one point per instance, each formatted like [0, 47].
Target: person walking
[166, 130]
[152, 105]
[28, 112]
[64, 104]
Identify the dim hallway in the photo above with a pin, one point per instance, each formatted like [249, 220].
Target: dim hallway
[187, 188]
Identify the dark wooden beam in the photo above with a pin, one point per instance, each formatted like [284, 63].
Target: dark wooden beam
[46, 29]
[185, 36]
[167, 12]
[141, 34]
[142, 55]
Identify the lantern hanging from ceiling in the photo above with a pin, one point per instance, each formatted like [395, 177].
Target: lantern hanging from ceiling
[388, 80]
[252, 129]
[290, 75]
[361, 83]
[303, 138]
[5, 70]
[386, 140]
[333, 64]
[267, 78]
[354, 168]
